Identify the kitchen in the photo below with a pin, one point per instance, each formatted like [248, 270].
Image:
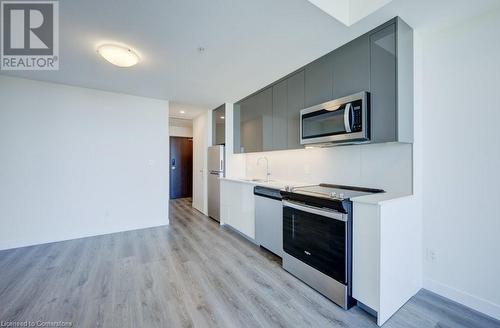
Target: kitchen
[352, 111]
[332, 159]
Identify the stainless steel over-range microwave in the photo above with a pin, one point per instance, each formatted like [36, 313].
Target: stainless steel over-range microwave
[340, 121]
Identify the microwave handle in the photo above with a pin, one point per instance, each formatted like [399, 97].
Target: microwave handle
[347, 116]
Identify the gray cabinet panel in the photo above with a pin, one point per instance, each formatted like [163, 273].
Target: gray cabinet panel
[319, 81]
[219, 125]
[269, 224]
[404, 43]
[265, 106]
[351, 68]
[256, 114]
[236, 128]
[383, 84]
[296, 96]
[280, 115]
[250, 126]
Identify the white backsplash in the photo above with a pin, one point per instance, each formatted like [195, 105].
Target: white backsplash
[387, 166]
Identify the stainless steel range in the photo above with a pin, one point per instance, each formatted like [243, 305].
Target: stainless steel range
[317, 237]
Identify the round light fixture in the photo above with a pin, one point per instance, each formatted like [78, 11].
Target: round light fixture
[118, 55]
[222, 117]
[182, 112]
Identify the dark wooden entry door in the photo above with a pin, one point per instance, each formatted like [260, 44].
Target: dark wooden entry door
[181, 167]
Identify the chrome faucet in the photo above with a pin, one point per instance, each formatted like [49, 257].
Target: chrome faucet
[268, 174]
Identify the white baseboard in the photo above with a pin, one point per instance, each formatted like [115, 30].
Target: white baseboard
[481, 305]
[11, 244]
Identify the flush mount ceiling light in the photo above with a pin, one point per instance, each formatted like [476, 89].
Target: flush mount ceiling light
[182, 112]
[118, 55]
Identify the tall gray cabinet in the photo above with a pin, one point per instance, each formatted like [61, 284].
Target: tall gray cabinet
[219, 125]
[380, 62]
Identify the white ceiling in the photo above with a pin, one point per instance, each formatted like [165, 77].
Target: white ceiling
[249, 44]
[349, 11]
[186, 111]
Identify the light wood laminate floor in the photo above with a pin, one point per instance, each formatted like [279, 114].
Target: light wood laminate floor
[189, 274]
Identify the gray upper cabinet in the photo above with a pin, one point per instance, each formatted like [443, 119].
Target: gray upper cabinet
[256, 122]
[383, 82]
[351, 68]
[380, 62]
[296, 97]
[391, 83]
[280, 115]
[236, 128]
[269, 119]
[319, 81]
[219, 125]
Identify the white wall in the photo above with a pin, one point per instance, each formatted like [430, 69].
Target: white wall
[180, 127]
[78, 162]
[180, 131]
[385, 166]
[235, 163]
[461, 159]
[202, 138]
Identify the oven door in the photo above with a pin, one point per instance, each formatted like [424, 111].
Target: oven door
[317, 237]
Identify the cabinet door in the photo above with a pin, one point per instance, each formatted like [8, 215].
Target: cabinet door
[250, 127]
[280, 115]
[383, 84]
[319, 81]
[351, 68]
[295, 105]
[265, 108]
[256, 120]
[269, 224]
[237, 128]
[219, 125]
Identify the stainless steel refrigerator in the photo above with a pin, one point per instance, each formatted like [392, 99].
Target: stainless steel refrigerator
[215, 172]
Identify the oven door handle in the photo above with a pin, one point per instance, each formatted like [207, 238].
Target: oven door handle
[315, 210]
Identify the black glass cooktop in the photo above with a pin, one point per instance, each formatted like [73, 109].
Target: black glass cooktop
[334, 191]
[336, 197]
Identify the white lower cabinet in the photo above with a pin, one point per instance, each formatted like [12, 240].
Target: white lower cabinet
[238, 206]
[387, 263]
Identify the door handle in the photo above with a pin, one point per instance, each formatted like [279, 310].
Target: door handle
[173, 163]
[347, 117]
[332, 214]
